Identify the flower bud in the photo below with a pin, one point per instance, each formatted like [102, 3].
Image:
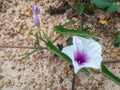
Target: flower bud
[35, 11]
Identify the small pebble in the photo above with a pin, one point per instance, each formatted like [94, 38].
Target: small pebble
[7, 83]
[37, 87]
[1, 84]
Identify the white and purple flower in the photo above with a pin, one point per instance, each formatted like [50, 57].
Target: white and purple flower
[35, 11]
[84, 53]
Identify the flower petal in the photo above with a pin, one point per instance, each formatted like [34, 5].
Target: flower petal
[93, 48]
[35, 9]
[80, 57]
[77, 67]
[36, 20]
[95, 62]
[78, 43]
[69, 51]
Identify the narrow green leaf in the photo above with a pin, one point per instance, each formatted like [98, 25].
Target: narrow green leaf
[85, 70]
[45, 35]
[62, 30]
[58, 52]
[37, 39]
[71, 22]
[109, 75]
[116, 42]
[31, 33]
[25, 57]
[79, 8]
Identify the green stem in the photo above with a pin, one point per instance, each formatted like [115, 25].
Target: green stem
[56, 38]
[39, 31]
[73, 81]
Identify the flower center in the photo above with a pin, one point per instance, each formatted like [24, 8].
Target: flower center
[80, 57]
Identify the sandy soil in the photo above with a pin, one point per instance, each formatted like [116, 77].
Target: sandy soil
[44, 71]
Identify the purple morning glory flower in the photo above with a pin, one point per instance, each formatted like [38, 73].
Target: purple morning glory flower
[80, 57]
[84, 53]
[35, 11]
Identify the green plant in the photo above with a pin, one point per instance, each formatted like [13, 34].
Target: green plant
[107, 5]
[75, 44]
[116, 42]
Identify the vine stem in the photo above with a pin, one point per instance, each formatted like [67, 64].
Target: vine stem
[56, 38]
[111, 60]
[24, 47]
[27, 47]
[73, 81]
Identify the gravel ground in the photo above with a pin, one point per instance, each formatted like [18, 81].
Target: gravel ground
[43, 70]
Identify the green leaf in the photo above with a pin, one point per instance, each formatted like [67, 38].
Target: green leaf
[101, 3]
[69, 41]
[107, 5]
[37, 39]
[71, 22]
[25, 57]
[61, 30]
[113, 8]
[85, 70]
[31, 33]
[109, 75]
[116, 42]
[110, 1]
[79, 8]
[58, 52]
